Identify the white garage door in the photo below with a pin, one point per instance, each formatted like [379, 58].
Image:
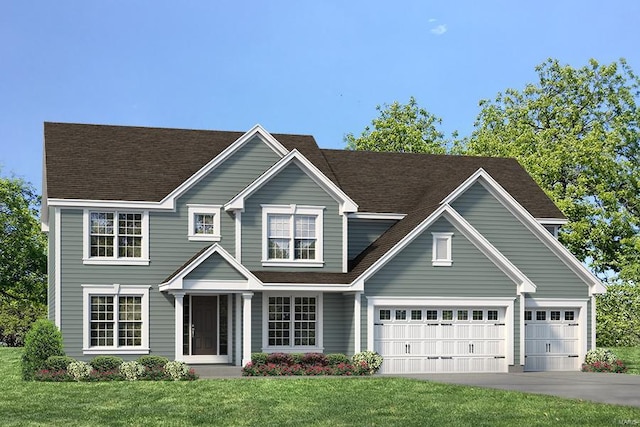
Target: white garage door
[440, 339]
[552, 339]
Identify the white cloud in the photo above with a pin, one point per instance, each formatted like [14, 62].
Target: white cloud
[432, 19]
[439, 30]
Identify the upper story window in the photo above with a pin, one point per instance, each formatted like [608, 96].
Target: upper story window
[442, 249]
[116, 237]
[204, 222]
[292, 235]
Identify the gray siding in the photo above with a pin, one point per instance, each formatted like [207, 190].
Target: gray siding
[215, 268]
[169, 248]
[411, 273]
[256, 322]
[338, 323]
[551, 276]
[291, 186]
[363, 232]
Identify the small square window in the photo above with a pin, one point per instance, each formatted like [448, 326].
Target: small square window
[492, 314]
[204, 223]
[541, 315]
[432, 314]
[463, 315]
[477, 314]
[447, 314]
[555, 315]
[569, 315]
[401, 314]
[385, 314]
[527, 315]
[416, 314]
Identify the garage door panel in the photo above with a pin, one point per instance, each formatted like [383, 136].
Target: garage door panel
[552, 339]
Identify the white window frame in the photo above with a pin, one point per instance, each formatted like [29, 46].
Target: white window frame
[115, 259]
[115, 291]
[204, 210]
[438, 260]
[292, 210]
[318, 348]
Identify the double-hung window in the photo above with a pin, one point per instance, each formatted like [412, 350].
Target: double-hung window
[292, 322]
[292, 235]
[116, 319]
[204, 222]
[116, 237]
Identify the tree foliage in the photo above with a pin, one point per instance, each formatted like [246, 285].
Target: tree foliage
[618, 314]
[23, 246]
[576, 131]
[401, 128]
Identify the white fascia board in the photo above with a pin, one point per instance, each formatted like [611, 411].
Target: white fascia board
[323, 287]
[177, 281]
[517, 210]
[168, 203]
[376, 215]
[552, 221]
[294, 156]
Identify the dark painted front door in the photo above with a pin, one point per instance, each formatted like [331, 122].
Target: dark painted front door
[204, 315]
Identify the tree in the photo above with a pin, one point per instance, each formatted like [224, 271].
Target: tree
[577, 132]
[618, 314]
[401, 128]
[23, 246]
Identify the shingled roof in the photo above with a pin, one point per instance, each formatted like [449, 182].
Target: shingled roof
[101, 162]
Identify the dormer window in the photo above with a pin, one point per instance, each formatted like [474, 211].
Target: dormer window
[441, 249]
[292, 235]
[204, 223]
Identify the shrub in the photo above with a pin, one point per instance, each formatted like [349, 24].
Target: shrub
[337, 359]
[153, 362]
[58, 363]
[314, 359]
[131, 370]
[600, 355]
[53, 376]
[296, 358]
[280, 359]
[41, 342]
[79, 370]
[615, 367]
[259, 358]
[371, 358]
[106, 363]
[176, 370]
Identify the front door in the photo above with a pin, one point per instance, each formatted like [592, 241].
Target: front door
[204, 327]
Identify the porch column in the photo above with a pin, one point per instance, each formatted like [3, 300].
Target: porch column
[179, 315]
[238, 326]
[246, 327]
[357, 317]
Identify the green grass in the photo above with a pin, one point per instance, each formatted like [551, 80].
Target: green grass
[630, 356]
[286, 402]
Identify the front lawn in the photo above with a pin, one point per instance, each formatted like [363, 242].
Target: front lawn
[630, 356]
[292, 401]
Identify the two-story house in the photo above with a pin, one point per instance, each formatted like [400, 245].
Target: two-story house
[206, 246]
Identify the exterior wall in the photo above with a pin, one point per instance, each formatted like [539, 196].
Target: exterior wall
[215, 268]
[291, 186]
[363, 232]
[551, 276]
[256, 322]
[338, 323]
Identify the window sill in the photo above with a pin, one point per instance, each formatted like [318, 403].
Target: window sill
[111, 350]
[114, 261]
[286, 263]
[441, 263]
[204, 238]
[290, 349]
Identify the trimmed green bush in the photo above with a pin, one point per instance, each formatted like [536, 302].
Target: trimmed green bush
[58, 363]
[153, 362]
[41, 342]
[259, 358]
[106, 363]
[314, 359]
[337, 358]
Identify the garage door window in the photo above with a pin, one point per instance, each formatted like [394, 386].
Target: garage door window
[432, 314]
[555, 315]
[569, 315]
[447, 314]
[463, 315]
[385, 314]
[527, 315]
[416, 314]
[541, 315]
[477, 314]
[401, 314]
[492, 315]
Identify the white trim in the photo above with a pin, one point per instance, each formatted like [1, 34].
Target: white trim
[57, 244]
[345, 244]
[238, 242]
[87, 259]
[522, 329]
[346, 204]
[196, 209]
[357, 321]
[439, 261]
[318, 348]
[116, 291]
[516, 209]
[179, 324]
[169, 201]
[376, 215]
[552, 221]
[524, 284]
[593, 322]
[292, 211]
[503, 302]
[238, 343]
[178, 282]
[246, 327]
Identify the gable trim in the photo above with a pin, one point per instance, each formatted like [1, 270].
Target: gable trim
[178, 282]
[523, 283]
[294, 156]
[533, 225]
[376, 215]
[168, 203]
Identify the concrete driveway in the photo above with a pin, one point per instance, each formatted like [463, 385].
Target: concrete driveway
[619, 389]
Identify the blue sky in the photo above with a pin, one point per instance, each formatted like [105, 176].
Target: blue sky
[311, 67]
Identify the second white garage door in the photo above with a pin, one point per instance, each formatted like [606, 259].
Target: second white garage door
[552, 339]
[440, 339]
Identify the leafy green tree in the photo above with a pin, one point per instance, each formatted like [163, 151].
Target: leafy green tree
[577, 132]
[401, 128]
[23, 246]
[618, 314]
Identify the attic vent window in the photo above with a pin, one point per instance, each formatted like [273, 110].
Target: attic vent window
[204, 223]
[442, 249]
